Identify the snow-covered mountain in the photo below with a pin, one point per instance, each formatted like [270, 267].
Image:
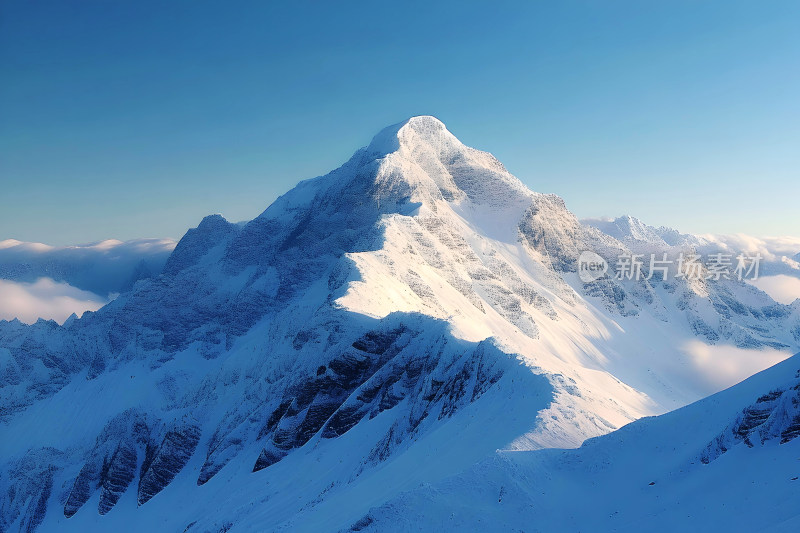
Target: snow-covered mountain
[388, 324]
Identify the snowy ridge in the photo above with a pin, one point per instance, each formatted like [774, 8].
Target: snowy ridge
[656, 471]
[633, 231]
[416, 303]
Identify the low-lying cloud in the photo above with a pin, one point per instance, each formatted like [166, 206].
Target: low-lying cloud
[45, 298]
[782, 288]
[52, 282]
[725, 365]
[770, 248]
[102, 268]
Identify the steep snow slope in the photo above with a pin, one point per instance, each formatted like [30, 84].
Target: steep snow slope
[382, 326]
[725, 463]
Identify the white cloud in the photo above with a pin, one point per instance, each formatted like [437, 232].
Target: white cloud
[102, 267]
[770, 248]
[45, 298]
[782, 288]
[725, 365]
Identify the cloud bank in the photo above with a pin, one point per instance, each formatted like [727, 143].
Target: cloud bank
[770, 248]
[41, 281]
[725, 365]
[102, 268]
[45, 298]
[781, 288]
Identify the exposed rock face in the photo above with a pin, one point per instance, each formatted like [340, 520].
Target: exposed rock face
[379, 373]
[117, 477]
[112, 463]
[27, 489]
[163, 464]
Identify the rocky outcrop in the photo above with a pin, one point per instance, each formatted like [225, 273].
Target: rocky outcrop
[27, 488]
[117, 476]
[773, 416]
[382, 370]
[163, 464]
[111, 464]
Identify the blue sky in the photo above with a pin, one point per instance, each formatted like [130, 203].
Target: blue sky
[136, 119]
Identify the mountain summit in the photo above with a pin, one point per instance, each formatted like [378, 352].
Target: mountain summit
[422, 150]
[388, 324]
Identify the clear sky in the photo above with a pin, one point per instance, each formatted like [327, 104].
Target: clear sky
[137, 118]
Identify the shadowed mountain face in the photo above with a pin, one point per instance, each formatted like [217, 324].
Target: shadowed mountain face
[384, 325]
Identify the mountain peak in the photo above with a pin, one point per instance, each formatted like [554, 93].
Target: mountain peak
[423, 151]
[413, 131]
